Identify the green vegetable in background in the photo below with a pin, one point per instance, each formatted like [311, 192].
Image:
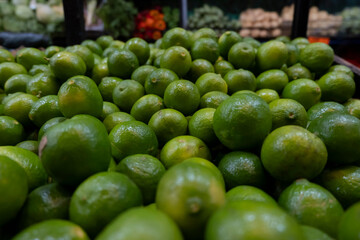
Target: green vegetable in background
[118, 17]
[171, 16]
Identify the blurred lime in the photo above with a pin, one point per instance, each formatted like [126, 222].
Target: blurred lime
[317, 57]
[205, 48]
[141, 73]
[8, 69]
[66, 64]
[240, 80]
[341, 68]
[52, 50]
[45, 109]
[353, 107]
[176, 37]
[198, 68]
[30, 56]
[140, 48]
[337, 87]
[17, 83]
[222, 67]
[226, 41]
[11, 131]
[297, 71]
[177, 59]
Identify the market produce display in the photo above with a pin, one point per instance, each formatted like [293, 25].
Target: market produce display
[41, 16]
[180, 139]
[351, 21]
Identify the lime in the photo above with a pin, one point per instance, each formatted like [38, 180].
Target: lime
[209, 82]
[293, 54]
[52, 50]
[177, 59]
[305, 91]
[145, 171]
[141, 223]
[242, 121]
[317, 56]
[45, 109]
[242, 55]
[30, 145]
[240, 80]
[205, 48]
[275, 224]
[203, 33]
[348, 229]
[115, 118]
[106, 87]
[8, 69]
[272, 79]
[19, 107]
[48, 124]
[212, 99]
[168, 124]
[141, 73]
[312, 205]
[64, 162]
[6, 56]
[341, 68]
[292, 152]
[122, 63]
[108, 108]
[93, 46]
[176, 37]
[17, 83]
[99, 71]
[42, 84]
[319, 109]
[297, 71]
[271, 55]
[353, 107]
[11, 131]
[85, 53]
[341, 134]
[198, 68]
[158, 80]
[336, 86]
[255, 43]
[311, 233]
[201, 125]
[14, 188]
[287, 112]
[181, 148]
[189, 193]
[222, 67]
[132, 137]
[268, 95]
[226, 41]
[30, 56]
[126, 93]
[146, 106]
[66, 65]
[56, 228]
[41, 68]
[284, 39]
[100, 198]
[104, 41]
[140, 48]
[248, 193]
[242, 168]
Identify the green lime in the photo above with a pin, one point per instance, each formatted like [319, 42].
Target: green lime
[141, 223]
[242, 121]
[226, 41]
[6, 56]
[293, 54]
[222, 67]
[100, 198]
[305, 91]
[9, 69]
[93, 46]
[272, 79]
[13, 188]
[212, 99]
[242, 55]
[40, 68]
[122, 63]
[85, 53]
[201, 125]
[108, 108]
[242, 168]
[115, 118]
[337, 87]
[287, 112]
[45, 202]
[192, 200]
[141, 73]
[284, 39]
[268, 95]
[66, 65]
[52, 50]
[198, 68]
[99, 71]
[106, 87]
[30, 56]
[297, 71]
[209, 82]
[104, 41]
[205, 48]
[341, 134]
[300, 40]
[292, 152]
[42, 84]
[312, 205]
[30, 145]
[177, 59]
[140, 48]
[116, 44]
[126, 93]
[353, 107]
[271, 55]
[176, 37]
[240, 80]
[158, 80]
[146, 106]
[317, 56]
[29, 161]
[341, 68]
[319, 109]
[311, 233]
[348, 228]
[64, 162]
[145, 171]
[19, 107]
[56, 228]
[168, 124]
[183, 96]
[203, 33]
[248, 193]
[275, 223]
[17, 83]
[45, 109]
[255, 43]
[132, 137]
[48, 124]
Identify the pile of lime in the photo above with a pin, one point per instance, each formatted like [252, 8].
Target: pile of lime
[193, 137]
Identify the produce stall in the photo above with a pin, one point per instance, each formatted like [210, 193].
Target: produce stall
[137, 128]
